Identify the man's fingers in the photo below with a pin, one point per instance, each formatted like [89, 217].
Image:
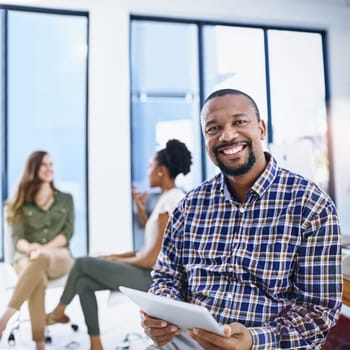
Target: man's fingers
[148, 321]
[160, 331]
[237, 329]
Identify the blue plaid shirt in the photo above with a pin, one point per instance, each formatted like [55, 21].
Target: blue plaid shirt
[272, 263]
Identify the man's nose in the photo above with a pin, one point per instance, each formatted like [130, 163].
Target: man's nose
[228, 134]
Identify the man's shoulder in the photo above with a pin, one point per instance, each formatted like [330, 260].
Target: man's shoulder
[290, 177]
[301, 184]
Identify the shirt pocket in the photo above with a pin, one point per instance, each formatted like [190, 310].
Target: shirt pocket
[34, 219]
[58, 215]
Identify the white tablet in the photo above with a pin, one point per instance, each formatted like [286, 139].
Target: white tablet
[180, 313]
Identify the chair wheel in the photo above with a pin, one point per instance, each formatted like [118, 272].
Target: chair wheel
[11, 340]
[75, 327]
[48, 339]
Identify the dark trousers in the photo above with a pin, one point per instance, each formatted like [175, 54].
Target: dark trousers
[90, 274]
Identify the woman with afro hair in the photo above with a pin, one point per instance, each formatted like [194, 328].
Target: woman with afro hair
[130, 269]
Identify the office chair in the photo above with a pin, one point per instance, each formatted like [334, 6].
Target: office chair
[10, 278]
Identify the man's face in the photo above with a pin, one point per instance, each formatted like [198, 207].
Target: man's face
[232, 133]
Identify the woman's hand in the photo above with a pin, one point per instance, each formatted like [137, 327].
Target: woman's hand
[237, 337]
[34, 249]
[140, 202]
[139, 198]
[111, 257]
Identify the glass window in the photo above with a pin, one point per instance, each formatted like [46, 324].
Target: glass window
[164, 97]
[47, 89]
[2, 117]
[298, 102]
[283, 70]
[234, 58]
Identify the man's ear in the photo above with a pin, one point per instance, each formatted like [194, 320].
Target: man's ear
[262, 128]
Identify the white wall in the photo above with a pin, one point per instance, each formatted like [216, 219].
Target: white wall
[109, 149]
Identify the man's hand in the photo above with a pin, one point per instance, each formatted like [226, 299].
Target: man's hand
[237, 337]
[160, 331]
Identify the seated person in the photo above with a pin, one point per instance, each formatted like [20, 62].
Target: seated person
[41, 218]
[131, 269]
[258, 245]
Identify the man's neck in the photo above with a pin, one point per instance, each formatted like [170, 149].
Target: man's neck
[240, 185]
[238, 188]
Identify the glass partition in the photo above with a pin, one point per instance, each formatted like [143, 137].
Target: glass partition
[233, 57]
[283, 69]
[164, 99]
[2, 120]
[298, 107]
[47, 103]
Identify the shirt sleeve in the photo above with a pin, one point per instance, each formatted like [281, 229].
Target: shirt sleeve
[170, 201]
[168, 274]
[17, 230]
[68, 227]
[316, 298]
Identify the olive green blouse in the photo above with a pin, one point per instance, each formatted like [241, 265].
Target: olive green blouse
[42, 226]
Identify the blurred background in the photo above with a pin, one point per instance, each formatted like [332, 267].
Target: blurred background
[102, 84]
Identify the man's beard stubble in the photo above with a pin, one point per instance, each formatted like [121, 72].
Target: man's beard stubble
[244, 169]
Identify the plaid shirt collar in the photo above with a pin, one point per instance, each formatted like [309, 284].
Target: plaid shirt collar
[260, 186]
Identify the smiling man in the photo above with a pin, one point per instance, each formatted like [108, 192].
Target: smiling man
[258, 245]
[233, 132]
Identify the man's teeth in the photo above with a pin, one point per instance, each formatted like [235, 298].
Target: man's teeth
[232, 150]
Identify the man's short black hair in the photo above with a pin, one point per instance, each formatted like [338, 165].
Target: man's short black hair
[223, 92]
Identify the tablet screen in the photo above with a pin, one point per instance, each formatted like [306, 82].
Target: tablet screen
[182, 314]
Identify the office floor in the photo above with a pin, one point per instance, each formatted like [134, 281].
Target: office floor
[117, 318]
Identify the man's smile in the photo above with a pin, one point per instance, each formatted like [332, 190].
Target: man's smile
[231, 149]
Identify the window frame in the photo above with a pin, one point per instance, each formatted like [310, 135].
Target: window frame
[4, 112]
[200, 25]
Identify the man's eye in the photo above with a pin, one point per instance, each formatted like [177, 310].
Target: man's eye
[240, 122]
[212, 129]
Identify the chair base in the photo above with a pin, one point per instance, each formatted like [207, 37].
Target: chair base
[129, 339]
[11, 340]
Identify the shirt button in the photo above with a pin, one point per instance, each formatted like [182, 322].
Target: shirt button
[242, 209]
[43, 240]
[45, 230]
[229, 295]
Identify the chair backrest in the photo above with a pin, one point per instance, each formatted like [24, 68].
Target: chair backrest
[346, 266]
[8, 274]
[9, 248]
